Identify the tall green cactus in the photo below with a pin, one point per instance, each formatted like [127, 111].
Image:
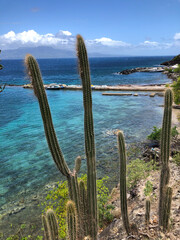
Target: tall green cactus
[89, 137]
[50, 225]
[165, 152]
[123, 193]
[72, 221]
[147, 213]
[35, 75]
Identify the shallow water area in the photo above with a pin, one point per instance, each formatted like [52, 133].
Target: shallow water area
[25, 159]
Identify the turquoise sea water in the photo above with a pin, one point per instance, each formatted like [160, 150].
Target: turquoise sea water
[26, 164]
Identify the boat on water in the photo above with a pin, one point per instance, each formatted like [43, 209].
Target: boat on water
[55, 87]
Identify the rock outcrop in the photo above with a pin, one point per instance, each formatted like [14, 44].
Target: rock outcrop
[174, 61]
[141, 69]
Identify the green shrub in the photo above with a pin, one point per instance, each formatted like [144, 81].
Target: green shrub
[176, 91]
[58, 197]
[137, 170]
[156, 133]
[177, 70]
[176, 159]
[169, 70]
[148, 189]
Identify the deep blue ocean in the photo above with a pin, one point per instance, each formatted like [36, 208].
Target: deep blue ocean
[25, 162]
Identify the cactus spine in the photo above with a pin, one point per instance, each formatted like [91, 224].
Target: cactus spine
[167, 208]
[72, 221]
[50, 225]
[165, 151]
[148, 209]
[89, 136]
[123, 194]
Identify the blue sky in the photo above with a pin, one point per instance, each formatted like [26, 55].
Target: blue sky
[118, 27]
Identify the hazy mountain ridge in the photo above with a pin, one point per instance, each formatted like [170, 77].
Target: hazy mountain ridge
[43, 52]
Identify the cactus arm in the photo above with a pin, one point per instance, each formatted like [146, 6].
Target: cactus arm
[123, 193]
[77, 165]
[35, 75]
[52, 224]
[45, 226]
[83, 206]
[72, 221]
[89, 136]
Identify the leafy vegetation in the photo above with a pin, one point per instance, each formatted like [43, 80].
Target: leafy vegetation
[169, 70]
[177, 70]
[137, 170]
[176, 159]
[156, 133]
[58, 197]
[148, 189]
[176, 91]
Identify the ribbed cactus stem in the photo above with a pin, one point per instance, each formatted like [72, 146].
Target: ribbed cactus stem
[165, 152]
[167, 208]
[89, 136]
[83, 206]
[52, 224]
[147, 213]
[35, 75]
[45, 226]
[123, 193]
[72, 221]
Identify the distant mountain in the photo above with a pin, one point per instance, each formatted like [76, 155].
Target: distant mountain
[37, 52]
[44, 52]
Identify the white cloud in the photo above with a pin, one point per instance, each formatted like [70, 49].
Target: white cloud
[149, 44]
[108, 42]
[177, 36]
[64, 39]
[31, 38]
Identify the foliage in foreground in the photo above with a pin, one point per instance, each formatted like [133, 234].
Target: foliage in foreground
[58, 198]
[156, 133]
[176, 159]
[176, 91]
[137, 170]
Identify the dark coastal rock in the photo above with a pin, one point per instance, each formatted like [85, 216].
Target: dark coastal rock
[175, 60]
[141, 69]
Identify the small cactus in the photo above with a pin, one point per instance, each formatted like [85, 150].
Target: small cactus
[72, 221]
[148, 209]
[123, 193]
